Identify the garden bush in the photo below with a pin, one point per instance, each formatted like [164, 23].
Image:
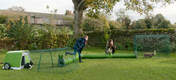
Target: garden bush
[3, 19]
[48, 37]
[3, 30]
[124, 38]
[19, 35]
[92, 25]
[20, 31]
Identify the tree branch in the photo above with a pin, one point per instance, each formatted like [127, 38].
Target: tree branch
[81, 3]
[74, 1]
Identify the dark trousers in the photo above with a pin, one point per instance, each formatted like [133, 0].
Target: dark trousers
[79, 53]
[113, 50]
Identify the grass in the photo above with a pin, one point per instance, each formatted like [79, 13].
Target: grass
[156, 68]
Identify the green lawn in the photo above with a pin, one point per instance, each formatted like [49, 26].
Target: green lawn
[156, 68]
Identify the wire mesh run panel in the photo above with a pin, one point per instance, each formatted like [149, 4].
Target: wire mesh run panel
[158, 44]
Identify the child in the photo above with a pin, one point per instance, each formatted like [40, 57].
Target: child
[79, 45]
[110, 48]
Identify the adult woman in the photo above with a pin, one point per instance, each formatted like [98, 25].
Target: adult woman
[110, 48]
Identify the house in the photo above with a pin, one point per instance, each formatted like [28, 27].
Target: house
[41, 18]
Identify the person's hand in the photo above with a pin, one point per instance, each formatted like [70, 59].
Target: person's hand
[115, 47]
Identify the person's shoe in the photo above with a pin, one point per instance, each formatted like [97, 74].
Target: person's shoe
[80, 61]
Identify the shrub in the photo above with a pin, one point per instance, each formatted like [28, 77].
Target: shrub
[115, 25]
[99, 24]
[49, 37]
[21, 32]
[3, 31]
[124, 38]
[92, 25]
[3, 51]
[3, 19]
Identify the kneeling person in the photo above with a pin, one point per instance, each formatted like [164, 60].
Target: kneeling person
[110, 48]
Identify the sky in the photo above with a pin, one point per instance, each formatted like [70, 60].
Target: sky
[169, 12]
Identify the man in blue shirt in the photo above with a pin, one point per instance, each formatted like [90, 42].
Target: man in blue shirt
[79, 45]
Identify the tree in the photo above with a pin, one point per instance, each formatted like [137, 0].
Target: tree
[140, 24]
[120, 15]
[98, 24]
[115, 25]
[95, 7]
[123, 18]
[92, 25]
[160, 22]
[148, 22]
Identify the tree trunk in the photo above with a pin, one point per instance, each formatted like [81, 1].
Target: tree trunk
[78, 16]
[77, 23]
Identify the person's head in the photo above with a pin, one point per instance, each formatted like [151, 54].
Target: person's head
[111, 42]
[86, 37]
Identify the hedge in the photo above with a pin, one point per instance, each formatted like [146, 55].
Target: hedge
[124, 38]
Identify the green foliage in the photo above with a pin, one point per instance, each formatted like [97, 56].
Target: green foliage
[106, 36]
[95, 7]
[127, 22]
[3, 51]
[92, 25]
[64, 30]
[157, 22]
[3, 31]
[114, 25]
[21, 35]
[71, 41]
[21, 32]
[3, 19]
[140, 24]
[99, 24]
[123, 39]
[49, 37]
[105, 21]
[97, 39]
[123, 18]
[148, 22]
[160, 22]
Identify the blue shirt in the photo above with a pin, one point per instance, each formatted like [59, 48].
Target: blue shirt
[80, 44]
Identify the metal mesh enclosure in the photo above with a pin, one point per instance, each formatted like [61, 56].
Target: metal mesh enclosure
[150, 43]
[46, 60]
